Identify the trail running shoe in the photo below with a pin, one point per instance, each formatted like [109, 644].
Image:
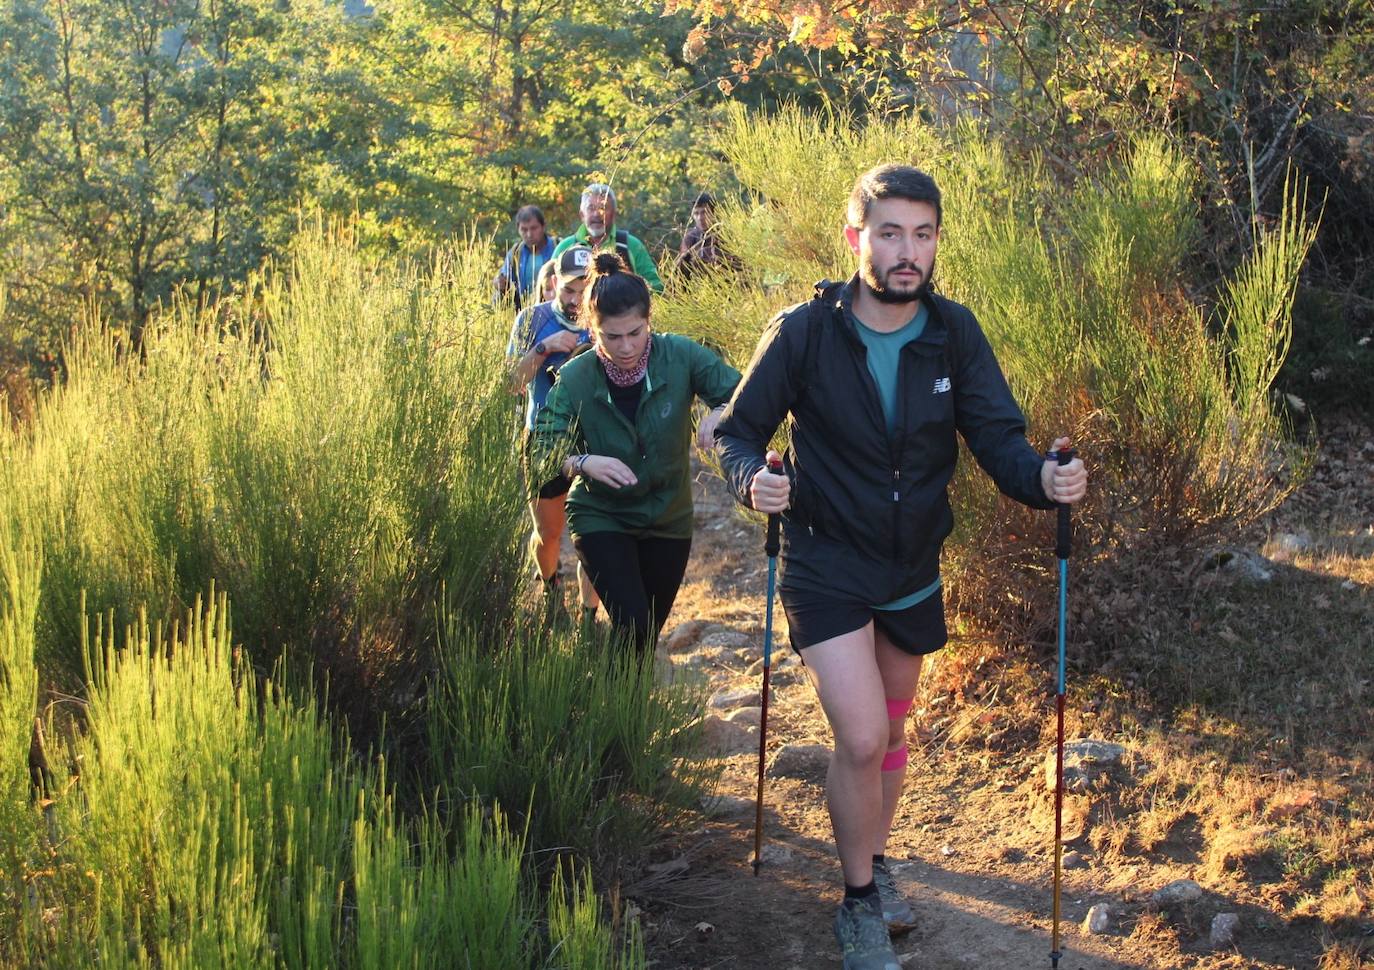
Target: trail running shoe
[863, 937]
[896, 910]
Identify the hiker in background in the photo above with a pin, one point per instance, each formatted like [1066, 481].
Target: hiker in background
[544, 337]
[701, 247]
[546, 283]
[874, 377]
[620, 422]
[598, 232]
[520, 268]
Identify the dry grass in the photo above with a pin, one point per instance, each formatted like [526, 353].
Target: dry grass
[1244, 703]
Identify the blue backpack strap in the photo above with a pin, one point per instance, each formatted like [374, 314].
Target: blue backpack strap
[534, 322]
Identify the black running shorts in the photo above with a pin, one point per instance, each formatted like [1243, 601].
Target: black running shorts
[816, 617]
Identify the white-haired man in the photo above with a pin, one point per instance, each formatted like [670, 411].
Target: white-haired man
[599, 234]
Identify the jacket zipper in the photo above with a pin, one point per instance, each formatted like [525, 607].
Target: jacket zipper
[895, 457]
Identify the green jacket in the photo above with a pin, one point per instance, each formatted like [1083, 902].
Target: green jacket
[579, 417]
[640, 260]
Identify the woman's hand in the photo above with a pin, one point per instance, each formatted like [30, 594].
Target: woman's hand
[768, 492]
[608, 471]
[706, 431]
[1064, 484]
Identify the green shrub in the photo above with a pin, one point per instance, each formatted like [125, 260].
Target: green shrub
[577, 929]
[214, 821]
[570, 735]
[334, 448]
[20, 571]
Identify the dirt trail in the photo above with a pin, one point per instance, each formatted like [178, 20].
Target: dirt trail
[972, 844]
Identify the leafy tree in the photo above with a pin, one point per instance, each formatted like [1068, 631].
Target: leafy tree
[154, 143]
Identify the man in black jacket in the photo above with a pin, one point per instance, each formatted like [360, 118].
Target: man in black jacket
[874, 377]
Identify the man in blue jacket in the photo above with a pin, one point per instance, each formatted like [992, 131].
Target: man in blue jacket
[874, 377]
[521, 266]
[545, 337]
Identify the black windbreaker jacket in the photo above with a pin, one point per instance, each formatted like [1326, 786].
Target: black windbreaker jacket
[869, 512]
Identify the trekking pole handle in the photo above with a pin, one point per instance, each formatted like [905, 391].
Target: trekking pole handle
[771, 544]
[1063, 544]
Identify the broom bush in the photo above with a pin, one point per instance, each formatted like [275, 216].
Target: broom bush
[334, 449]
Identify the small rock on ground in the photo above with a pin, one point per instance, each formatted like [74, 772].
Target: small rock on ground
[723, 637]
[710, 657]
[1178, 892]
[748, 716]
[776, 853]
[806, 761]
[1098, 920]
[684, 635]
[728, 698]
[727, 738]
[1224, 926]
[1073, 860]
[1084, 762]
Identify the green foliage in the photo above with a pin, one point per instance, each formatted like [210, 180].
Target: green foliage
[20, 572]
[334, 448]
[1248, 91]
[419, 907]
[156, 145]
[214, 823]
[577, 930]
[571, 735]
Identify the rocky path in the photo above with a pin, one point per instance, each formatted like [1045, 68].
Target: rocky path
[972, 844]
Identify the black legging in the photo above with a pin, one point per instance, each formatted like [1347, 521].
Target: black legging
[637, 579]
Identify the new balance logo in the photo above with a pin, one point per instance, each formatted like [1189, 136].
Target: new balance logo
[941, 386]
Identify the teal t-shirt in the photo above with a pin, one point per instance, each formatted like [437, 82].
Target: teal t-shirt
[884, 352]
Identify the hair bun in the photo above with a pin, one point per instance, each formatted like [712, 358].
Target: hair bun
[607, 263]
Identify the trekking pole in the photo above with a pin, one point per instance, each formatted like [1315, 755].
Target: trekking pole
[770, 548]
[1063, 541]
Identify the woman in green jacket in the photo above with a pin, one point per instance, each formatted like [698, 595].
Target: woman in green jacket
[620, 421]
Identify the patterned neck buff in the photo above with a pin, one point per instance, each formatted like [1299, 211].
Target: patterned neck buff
[618, 375]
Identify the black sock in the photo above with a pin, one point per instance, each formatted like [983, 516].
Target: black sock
[860, 892]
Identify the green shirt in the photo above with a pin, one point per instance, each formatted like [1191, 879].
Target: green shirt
[884, 355]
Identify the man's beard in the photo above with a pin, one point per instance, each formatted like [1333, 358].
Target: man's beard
[570, 315]
[886, 294]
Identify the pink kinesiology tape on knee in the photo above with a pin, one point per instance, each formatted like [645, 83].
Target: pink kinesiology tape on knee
[896, 709]
[894, 760]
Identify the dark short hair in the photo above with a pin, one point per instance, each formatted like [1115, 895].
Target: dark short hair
[705, 199]
[892, 181]
[529, 212]
[612, 289]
